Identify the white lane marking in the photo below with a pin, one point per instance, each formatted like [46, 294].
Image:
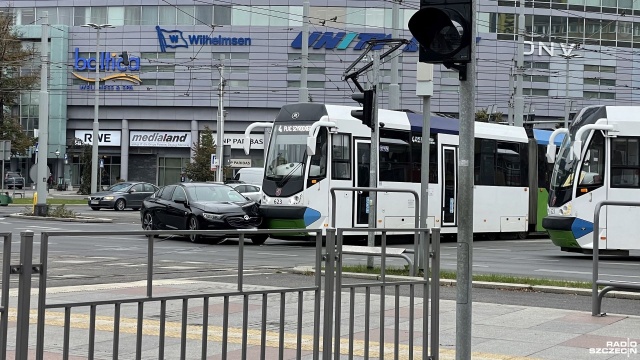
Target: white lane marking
[534, 259]
[586, 273]
[276, 254]
[228, 275]
[616, 263]
[491, 249]
[179, 268]
[526, 241]
[74, 261]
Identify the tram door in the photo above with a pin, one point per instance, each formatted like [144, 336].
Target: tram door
[361, 198]
[449, 186]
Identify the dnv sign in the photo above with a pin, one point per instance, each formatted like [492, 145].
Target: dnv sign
[342, 40]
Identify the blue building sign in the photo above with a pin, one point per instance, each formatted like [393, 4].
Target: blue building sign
[343, 40]
[173, 39]
[106, 62]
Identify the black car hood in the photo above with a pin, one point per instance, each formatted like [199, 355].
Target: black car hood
[222, 207]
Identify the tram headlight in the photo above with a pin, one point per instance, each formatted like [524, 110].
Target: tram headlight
[296, 199]
[265, 199]
[565, 210]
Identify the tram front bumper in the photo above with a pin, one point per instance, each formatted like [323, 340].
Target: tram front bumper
[565, 230]
[288, 217]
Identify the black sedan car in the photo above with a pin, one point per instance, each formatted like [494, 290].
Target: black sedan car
[195, 206]
[121, 196]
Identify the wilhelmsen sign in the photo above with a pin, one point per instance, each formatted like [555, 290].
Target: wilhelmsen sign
[160, 138]
[173, 39]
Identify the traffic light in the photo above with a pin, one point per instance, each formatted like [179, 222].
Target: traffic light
[443, 29]
[366, 114]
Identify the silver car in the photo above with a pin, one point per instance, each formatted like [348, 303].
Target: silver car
[121, 196]
[248, 190]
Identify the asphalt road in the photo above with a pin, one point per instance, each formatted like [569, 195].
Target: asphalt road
[535, 257]
[85, 259]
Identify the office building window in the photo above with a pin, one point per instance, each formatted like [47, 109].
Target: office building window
[598, 95]
[149, 15]
[170, 170]
[310, 84]
[116, 15]
[535, 92]
[166, 15]
[203, 15]
[238, 83]
[99, 15]
[599, 82]
[132, 15]
[222, 15]
[186, 16]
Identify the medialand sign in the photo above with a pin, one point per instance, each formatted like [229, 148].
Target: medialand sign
[160, 138]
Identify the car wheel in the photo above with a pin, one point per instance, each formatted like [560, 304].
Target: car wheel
[147, 222]
[259, 239]
[522, 235]
[119, 205]
[95, 208]
[192, 224]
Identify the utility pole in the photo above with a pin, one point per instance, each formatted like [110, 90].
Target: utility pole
[220, 124]
[304, 90]
[519, 101]
[95, 139]
[465, 204]
[373, 158]
[510, 110]
[43, 128]
[394, 87]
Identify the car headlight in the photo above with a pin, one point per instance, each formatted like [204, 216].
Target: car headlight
[212, 216]
[108, 197]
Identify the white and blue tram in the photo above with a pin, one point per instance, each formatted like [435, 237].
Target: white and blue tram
[598, 160]
[296, 186]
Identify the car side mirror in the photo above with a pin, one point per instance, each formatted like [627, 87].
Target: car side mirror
[180, 201]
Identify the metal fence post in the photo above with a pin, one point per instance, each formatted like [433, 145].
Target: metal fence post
[329, 258]
[24, 295]
[6, 284]
[42, 295]
[595, 304]
[435, 294]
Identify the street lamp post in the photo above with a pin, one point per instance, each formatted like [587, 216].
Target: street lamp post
[96, 125]
[566, 88]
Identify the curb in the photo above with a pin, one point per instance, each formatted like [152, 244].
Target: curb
[24, 205]
[305, 270]
[79, 219]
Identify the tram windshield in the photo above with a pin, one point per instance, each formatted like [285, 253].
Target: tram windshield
[287, 154]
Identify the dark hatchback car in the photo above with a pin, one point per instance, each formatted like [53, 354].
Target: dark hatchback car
[200, 206]
[13, 180]
[121, 196]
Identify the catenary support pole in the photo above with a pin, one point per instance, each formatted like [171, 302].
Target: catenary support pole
[424, 175]
[43, 113]
[511, 98]
[220, 124]
[567, 103]
[519, 100]
[373, 161]
[96, 122]
[304, 63]
[465, 205]
[394, 87]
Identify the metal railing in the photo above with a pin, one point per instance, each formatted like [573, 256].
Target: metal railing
[26, 269]
[416, 241]
[597, 296]
[335, 263]
[326, 302]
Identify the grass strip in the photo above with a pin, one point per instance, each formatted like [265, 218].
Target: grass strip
[54, 201]
[496, 278]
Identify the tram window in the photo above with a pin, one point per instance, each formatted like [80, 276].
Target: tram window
[592, 168]
[341, 157]
[625, 164]
[500, 163]
[416, 159]
[395, 155]
[318, 163]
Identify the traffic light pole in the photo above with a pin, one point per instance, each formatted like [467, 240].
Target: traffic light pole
[373, 158]
[465, 205]
[42, 175]
[519, 100]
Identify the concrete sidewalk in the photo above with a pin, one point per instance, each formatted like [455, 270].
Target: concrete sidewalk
[499, 331]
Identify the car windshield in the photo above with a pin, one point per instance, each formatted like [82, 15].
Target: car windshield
[119, 187]
[214, 193]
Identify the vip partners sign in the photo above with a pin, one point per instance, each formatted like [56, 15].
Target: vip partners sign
[160, 138]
